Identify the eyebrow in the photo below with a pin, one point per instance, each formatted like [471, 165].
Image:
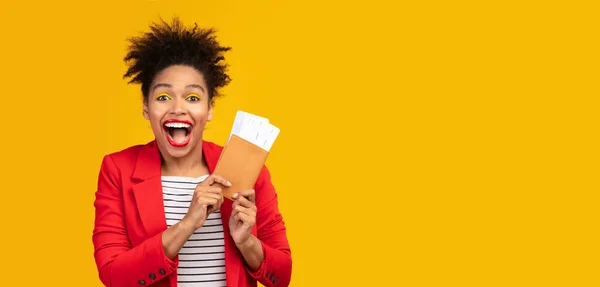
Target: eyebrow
[169, 86]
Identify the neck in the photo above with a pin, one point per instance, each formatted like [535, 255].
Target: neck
[192, 165]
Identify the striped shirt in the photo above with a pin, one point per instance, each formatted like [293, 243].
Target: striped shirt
[202, 257]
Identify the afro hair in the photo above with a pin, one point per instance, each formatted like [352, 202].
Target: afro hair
[174, 44]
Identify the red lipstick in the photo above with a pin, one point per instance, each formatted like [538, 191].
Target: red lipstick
[178, 132]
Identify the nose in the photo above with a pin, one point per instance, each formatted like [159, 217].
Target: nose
[178, 107]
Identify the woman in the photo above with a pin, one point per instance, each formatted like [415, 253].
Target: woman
[159, 220]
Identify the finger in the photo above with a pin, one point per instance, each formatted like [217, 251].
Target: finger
[214, 189]
[234, 210]
[215, 205]
[207, 189]
[203, 207]
[219, 201]
[212, 199]
[248, 194]
[221, 180]
[210, 180]
[217, 196]
[242, 209]
[246, 219]
[249, 212]
[207, 200]
[245, 202]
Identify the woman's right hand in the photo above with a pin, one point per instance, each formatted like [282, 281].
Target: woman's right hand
[206, 200]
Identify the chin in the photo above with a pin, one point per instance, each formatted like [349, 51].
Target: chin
[177, 152]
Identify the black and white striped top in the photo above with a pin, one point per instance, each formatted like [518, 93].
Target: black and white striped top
[202, 258]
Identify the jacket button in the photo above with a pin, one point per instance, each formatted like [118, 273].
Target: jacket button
[142, 282]
[152, 276]
[161, 271]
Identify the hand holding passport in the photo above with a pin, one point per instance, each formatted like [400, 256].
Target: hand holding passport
[246, 152]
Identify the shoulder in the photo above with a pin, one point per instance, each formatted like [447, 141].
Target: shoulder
[126, 159]
[127, 155]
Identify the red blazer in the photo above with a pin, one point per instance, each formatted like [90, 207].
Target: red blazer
[130, 219]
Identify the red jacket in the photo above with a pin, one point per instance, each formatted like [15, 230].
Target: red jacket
[130, 219]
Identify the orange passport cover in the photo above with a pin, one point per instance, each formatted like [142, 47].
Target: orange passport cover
[241, 163]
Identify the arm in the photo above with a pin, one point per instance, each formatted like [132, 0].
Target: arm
[175, 237]
[252, 252]
[119, 264]
[274, 267]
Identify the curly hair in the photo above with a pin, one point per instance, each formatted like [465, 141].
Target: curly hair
[166, 45]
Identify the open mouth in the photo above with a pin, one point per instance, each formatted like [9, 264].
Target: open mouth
[178, 132]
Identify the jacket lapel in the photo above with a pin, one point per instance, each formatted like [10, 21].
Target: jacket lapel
[147, 189]
[232, 254]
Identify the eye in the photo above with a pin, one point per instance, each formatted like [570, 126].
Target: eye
[163, 97]
[193, 98]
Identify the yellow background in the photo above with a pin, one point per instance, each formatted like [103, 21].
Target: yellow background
[445, 143]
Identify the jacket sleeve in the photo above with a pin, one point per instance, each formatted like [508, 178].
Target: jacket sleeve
[118, 263]
[276, 268]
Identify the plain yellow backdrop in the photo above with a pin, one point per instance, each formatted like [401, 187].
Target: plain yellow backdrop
[423, 143]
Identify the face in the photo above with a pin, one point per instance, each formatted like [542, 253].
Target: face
[178, 109]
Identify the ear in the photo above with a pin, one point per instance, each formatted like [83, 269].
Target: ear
[211, 106]
[145, 111]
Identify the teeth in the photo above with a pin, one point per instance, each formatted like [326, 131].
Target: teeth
[177, 125]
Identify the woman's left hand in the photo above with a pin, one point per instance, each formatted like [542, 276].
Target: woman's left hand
[243, 216]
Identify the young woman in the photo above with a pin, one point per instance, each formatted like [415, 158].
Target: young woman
[160, 221]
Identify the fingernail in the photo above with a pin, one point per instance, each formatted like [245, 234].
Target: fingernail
[228, 183]
[235, 195]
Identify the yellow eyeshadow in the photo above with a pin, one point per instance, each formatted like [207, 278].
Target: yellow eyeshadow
[163, 94]
[192, 95]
